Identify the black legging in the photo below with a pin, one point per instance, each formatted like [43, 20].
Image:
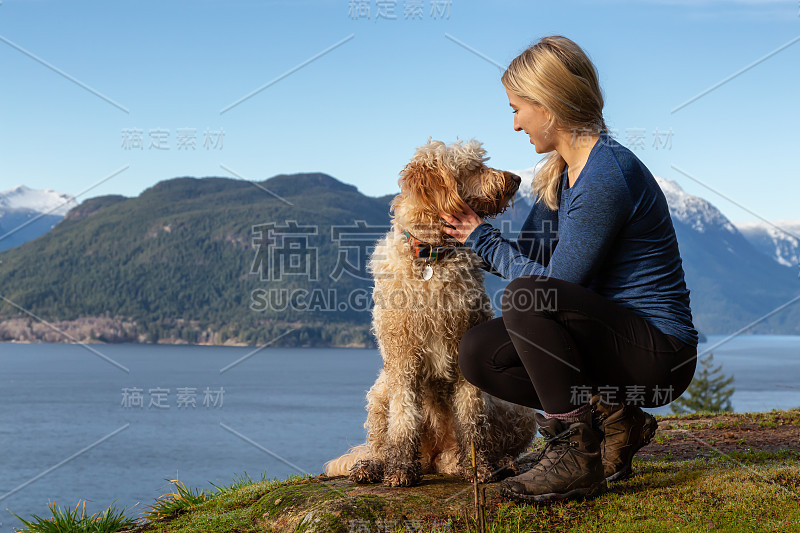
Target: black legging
[559, 343]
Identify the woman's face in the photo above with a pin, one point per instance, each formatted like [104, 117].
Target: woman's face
[532, 118]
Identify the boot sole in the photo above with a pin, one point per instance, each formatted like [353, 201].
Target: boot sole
[648, 432]
[583, 493]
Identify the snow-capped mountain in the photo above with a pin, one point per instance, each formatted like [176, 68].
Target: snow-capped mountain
[779, 240]
[694, 211]
[525, 191]
[27, 213]
[45, 201]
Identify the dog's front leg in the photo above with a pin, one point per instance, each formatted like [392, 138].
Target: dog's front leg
[403, 467]
[370, 469]
[469, 408]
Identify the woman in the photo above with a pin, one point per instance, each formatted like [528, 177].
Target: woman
[596, 319]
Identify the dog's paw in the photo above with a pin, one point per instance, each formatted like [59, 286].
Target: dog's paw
[505, 467]
[404, 475]
[502, 471]
[365, 471]
[485, 474]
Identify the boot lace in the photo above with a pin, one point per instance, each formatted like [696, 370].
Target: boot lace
[599, 418]
[551, 441]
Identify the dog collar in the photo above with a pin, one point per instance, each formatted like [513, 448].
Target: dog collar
[427, 251]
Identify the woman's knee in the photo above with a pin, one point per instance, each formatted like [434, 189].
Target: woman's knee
[670, 383]
[683, 371]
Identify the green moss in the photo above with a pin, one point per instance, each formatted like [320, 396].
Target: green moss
[341, 514]
[286, 497]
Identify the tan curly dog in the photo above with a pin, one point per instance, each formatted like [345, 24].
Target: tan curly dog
[422, 415]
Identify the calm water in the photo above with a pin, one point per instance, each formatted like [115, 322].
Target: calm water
[70, 416]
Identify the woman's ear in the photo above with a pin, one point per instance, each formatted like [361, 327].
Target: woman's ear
[430, 187]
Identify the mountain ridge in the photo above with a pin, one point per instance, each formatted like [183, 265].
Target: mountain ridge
[27, 213]
[46, 201]
[182, 262]
[779, 239]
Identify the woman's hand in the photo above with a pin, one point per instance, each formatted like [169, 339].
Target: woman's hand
[463, 223]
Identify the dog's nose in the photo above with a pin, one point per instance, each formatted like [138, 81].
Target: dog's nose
[514, 177]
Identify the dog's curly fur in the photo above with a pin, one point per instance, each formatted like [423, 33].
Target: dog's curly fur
[423, 415]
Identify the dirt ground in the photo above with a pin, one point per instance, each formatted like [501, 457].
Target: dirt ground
[724, 433]
[693, 436]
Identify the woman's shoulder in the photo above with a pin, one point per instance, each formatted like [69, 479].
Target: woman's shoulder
[606, 170]
[617, 164]
[616, 157]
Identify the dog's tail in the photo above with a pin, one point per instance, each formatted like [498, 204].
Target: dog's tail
[341, 465]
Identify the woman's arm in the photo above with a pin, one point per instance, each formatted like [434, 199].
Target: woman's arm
[503, 256]
[536, 239]
[595, 213]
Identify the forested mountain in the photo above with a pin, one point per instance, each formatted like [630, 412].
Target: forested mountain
[184, 261]
[282, 261]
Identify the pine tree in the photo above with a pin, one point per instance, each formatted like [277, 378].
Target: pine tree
[710, 390]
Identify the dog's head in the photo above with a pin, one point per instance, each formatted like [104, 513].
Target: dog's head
[442, 178]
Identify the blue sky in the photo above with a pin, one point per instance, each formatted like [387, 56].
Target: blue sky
[377, 87]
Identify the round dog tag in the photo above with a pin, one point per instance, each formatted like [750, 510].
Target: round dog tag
[427, 273]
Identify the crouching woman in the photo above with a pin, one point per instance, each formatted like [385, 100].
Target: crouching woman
[596, 322]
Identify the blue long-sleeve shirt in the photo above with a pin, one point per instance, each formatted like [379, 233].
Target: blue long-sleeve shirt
[612, 233]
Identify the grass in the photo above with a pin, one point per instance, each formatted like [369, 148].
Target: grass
[166, 507]
[747, 490]
[744, 491]
[662, 439]
[757, 493]
[72, 521]
[239, 481]
[171, 504]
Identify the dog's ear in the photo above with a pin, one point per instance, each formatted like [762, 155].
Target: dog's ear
[430, 186]
[476, 151]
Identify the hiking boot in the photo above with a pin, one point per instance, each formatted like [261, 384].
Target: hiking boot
[569, 466]
[626, 429]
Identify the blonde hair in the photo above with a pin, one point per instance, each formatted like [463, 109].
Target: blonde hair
[556, 74]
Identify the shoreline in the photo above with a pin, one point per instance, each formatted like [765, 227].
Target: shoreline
[107, 330]
[179, 342]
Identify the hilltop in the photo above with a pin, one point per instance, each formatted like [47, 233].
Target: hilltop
[705, 471]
